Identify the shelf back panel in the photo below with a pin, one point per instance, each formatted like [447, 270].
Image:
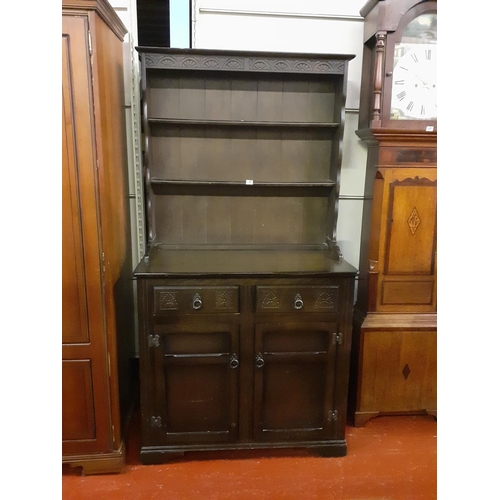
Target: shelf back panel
[219, 97]
[236, 220]
[232, 154]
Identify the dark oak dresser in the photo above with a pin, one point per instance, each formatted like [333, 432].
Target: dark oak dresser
[245, 301]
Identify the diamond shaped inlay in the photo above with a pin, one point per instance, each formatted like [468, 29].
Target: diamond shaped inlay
[414, 220]
[406, 372]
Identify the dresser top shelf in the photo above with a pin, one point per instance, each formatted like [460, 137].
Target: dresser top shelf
[241, 60]
[243, 152]
[231, 263]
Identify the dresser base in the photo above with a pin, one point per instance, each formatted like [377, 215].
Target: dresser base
[150, 455]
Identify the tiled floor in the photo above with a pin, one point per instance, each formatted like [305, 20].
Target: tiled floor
[391, 458]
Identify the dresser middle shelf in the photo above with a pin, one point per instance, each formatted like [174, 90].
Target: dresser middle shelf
[241, 123]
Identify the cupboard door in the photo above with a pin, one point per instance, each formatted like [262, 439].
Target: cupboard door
[86, 425]
[294, 381]
[194, 395]
[406, 379]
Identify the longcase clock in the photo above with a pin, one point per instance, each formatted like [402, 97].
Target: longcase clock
[394, 344]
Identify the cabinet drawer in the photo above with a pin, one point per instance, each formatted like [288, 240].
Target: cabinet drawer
[299, 298]
[195, 300]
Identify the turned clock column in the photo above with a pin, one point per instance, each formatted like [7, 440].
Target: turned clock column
[395, 327]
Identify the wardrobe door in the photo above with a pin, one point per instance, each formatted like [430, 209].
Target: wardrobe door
[85, 398]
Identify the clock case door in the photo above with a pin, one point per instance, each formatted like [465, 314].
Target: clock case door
[381, 37]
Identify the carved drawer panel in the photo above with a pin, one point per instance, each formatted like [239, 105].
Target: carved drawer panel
[299, 298]
[195, 300]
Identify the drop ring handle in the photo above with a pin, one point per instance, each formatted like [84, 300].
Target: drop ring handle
[197, 302]
[234, 362]
[298, 302]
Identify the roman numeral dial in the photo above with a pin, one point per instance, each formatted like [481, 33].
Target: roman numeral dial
[414, 82]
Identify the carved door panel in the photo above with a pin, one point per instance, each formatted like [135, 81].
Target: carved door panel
[294, 381]
[194, 388]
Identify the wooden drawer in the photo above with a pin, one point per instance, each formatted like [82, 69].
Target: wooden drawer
[195, 300]
[297, 298]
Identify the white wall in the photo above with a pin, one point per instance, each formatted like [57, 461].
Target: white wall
[321, 26]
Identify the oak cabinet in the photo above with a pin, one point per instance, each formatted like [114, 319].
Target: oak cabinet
[259, 367]
[244, 298]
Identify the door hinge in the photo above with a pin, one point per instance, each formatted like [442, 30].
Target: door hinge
[333, 415]
[90, 42]
[103, 262]
[155, 422]
[337, 338]
[154, 341]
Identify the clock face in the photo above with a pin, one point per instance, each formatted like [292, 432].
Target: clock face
[414, 90]
[414, 83]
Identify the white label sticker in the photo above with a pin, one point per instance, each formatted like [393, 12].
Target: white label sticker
[249, 182]
[429, 128]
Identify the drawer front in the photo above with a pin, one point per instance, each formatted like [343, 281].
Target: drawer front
[297, 298]
[195, 300]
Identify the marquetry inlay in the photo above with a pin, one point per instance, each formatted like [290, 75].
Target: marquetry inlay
[414, 220]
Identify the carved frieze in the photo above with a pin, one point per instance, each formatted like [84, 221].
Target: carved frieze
[230, 63]
[297, 66]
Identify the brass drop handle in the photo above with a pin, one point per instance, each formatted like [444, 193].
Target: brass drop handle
[298, 302]
[197, 302]
[234, 362]
[259, 360]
